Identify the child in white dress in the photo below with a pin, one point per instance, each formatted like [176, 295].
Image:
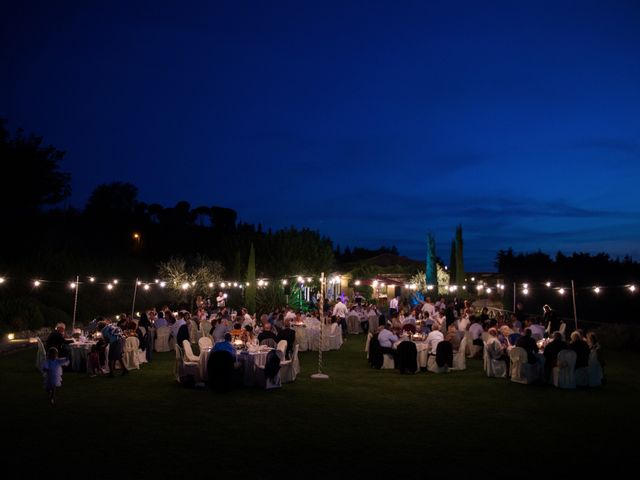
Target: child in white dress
[52, 370]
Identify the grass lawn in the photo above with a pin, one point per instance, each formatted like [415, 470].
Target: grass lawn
[361, 422]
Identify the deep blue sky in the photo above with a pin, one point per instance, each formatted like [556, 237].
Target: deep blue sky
[373, 122]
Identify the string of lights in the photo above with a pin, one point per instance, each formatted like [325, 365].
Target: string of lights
[480, 288]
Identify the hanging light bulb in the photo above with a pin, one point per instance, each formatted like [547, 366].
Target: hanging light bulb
[163, 284]
[548, 284]
[72, 285]
[92, 279]
[109, 286]
[36, 283]
[488, 290]
[596, 289]
[357, 283]
[147, 287]
[284, 281]
[525, 291]
[561, 291]
[632, 288]
[185, 285]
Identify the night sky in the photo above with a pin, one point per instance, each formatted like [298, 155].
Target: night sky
[373, 122]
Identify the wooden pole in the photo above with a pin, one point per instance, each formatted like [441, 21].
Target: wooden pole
[75, 304]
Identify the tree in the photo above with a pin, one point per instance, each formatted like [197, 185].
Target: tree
[112, 200]
[459, 277]
[35, 168]
[431, 272]
[188, 278]
[223, 219]
[452, 260]
[250, 292]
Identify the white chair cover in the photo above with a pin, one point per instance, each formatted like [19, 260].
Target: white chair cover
[353, 324]
[282, 346]
[205, 343]
[595, 370]
[492, 366]
[563, 373]
[184, 368]
[518, 357]
[373, 323]
[332, 337]
[188, 352]
[205, 328]
[130, 355]
[432, 366]
[582, 376]
[387, 361]
[41, 355]
[193, 331]
[288, 368]
[301, 338]
[162, 341]
[459, 357]
[366, 344]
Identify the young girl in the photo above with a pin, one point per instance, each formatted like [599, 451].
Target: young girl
[52, 368]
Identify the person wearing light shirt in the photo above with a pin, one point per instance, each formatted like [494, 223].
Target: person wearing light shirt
[475, 329]
[386, 338]
[393, 306]
[428, 307]
[246, 318]
[340, 313]
[176, 326]
[433, 339]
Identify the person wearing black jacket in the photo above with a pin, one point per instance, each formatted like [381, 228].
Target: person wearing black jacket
[56, 340]
[287, 334]
[530, 346]
[551, 354]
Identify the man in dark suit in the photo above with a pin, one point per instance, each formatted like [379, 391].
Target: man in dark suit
[288, 334]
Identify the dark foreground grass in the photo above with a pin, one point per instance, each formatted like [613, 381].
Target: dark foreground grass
[359, 423]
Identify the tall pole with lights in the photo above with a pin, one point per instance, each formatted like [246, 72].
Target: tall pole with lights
[75, 304]
[320, 375]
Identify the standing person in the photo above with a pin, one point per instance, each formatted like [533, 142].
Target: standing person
[550, 320]
[221, 301]
[52, 368]
[115, 337]
[58, 341]
[393, 307]
[340, 312]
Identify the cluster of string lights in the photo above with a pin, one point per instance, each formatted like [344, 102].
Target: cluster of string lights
[524, 288]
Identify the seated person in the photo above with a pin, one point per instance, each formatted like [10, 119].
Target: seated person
[289, 335]
[453, 337]
[496, 350]
[267, 333]
[551, 354]
[529, 345]
[581, 348]
[433, 339]
[248, 336]
[237, 330]
[226, 346]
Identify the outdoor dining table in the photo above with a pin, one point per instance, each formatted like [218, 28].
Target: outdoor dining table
[249, 360]
[78, 354]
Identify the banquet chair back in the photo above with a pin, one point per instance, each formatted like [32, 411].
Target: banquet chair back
[41, 354]
[162, 339]
[519, 361]
[193, 331]
[220, 371]
[563, 373]
[130, 356]
[205, 343]
[188, 352]
[459, 357]
[269, 342]
[282, 346]
[407, 357]
[205, 329]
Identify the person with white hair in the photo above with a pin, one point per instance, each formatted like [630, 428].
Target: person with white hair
[58, 341]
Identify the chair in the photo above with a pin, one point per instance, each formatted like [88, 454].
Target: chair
[269, 342]
[353, 324]
[282, 346]
[519, 366]
[595, 370]
[205, 329]
[268, 376]
[407, 357]
[205, 343]
[459, 357]
[220, 371]
[188, 352]
[493, 365]
[563, 373]
[367, 343]
[41, 355]
[289, 368]
[162, 339]
[186, 372]
[442, 360]
[332, 337]
[193, 331]
[130, 356]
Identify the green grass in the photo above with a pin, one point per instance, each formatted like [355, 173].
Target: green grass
[360, 422]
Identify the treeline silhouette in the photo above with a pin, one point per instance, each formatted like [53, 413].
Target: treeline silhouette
[614, 302]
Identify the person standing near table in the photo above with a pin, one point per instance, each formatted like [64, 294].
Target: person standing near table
[115, 337]
[56, 340]
[340, 313]
[220, 300]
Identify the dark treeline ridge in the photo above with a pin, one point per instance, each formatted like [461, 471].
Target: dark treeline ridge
[615, 302]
